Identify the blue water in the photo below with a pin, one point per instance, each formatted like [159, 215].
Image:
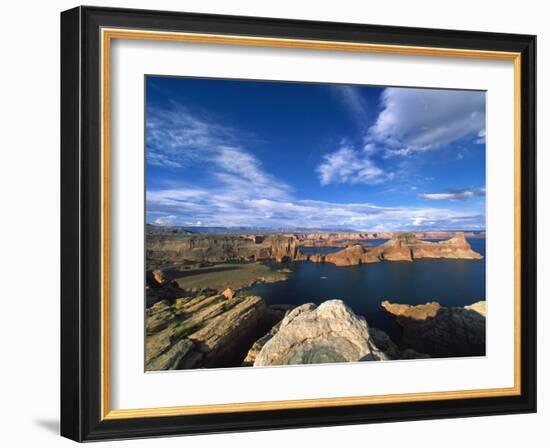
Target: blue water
[330, 250]
[363, 287]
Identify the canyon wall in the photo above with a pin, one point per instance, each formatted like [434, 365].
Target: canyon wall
[220, 248]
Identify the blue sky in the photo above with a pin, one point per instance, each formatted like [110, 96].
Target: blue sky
[296, 155]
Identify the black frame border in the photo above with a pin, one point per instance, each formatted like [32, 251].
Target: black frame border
[81, 223]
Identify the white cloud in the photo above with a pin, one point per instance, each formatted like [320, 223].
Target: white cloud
[165, 220]
[422, 119]
[348, 165]
[242, 173]
[176, 138]
[218, 209]
[354, 102]
[453, 195]
[240, 192]
[480, 137]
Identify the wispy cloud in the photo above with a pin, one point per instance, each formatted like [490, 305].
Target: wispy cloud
[210, 209]
[237, 190]
[169, 220]
[480, 137]
[177, 138]
[352, 99]
[348, 165]
[453, 195]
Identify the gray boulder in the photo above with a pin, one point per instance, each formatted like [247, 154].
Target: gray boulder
[328, 333]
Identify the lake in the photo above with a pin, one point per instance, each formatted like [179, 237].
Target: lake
[363, 287]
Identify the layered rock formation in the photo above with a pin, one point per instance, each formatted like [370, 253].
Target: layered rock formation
[441, 331]
[401, 248]
[217, 331]
[456, 247]
[201, 331]
[220, 248]
[479, 307]
[390, 348]
[396, 249]
[312, 334]
[159, 287]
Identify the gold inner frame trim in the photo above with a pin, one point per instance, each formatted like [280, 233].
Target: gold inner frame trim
[107, 35]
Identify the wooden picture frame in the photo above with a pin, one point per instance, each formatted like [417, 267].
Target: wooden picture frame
[86, 35]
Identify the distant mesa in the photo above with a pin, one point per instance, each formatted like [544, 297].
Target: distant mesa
[221, 248]
[406, 247]
[287, 247]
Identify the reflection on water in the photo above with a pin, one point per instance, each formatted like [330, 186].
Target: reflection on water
[363, 287]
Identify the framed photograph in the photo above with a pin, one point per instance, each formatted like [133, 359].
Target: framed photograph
[276, 224]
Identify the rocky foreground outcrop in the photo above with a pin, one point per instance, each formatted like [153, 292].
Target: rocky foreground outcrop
[311, 334]
[400, 248]
[219, 331]
[201, 331]
[441, 331]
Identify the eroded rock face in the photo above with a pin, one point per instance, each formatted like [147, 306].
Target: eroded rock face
[416, 312]
[274, 316]
[479, 307]
[312, 334]
[441, 331]
[228, 293]
[350, 256]
[390, 348]
[400, 248]
[220, 248]
[159, 287]
[456, 247]
[201, 331]
[395, 249]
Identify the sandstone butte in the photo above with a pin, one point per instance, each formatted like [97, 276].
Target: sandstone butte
[400, 249]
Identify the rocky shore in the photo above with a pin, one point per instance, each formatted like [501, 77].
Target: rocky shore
[202, 331]
[224, 330]
[198, 315]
